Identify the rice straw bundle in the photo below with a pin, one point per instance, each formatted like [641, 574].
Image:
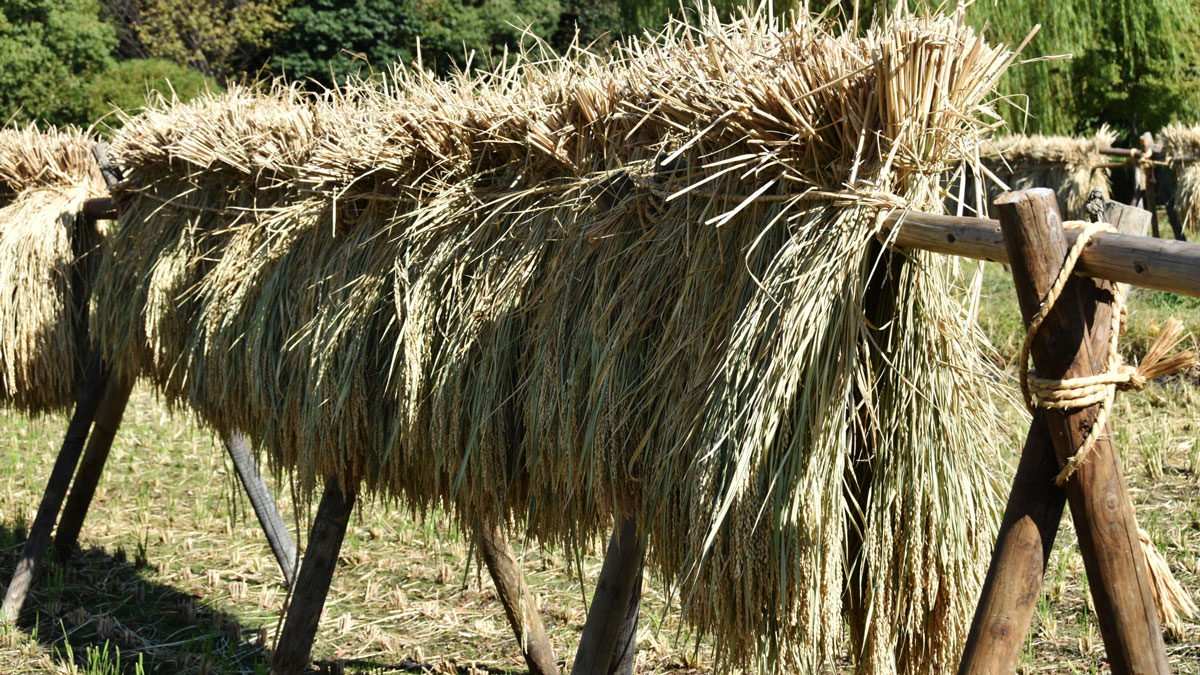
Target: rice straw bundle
[1072, 167]
[1184, 141]
[44, 179]
[578, 288]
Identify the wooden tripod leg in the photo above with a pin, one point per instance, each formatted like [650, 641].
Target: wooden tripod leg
[87, 476]
[625, 652]
[1023, 544]
[264, 506]
[294, 650]
[609, 634]
[1163, 179]
[1035, 504]
[518, 602]
[56, 490]
[1100, 505]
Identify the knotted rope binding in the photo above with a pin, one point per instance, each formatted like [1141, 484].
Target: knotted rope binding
[1171, 600]
[1082, 392]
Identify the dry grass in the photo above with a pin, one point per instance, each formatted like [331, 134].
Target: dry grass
[577, 288]
[176, 573]
[1072, 167]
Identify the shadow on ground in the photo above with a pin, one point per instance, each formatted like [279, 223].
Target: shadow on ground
[100, 612]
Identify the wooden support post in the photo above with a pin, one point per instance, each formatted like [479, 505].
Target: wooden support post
[108, 419]
[293, 652]
[1023, 544]
[1100, 505]
[56, 490]
[1163, 179]
[624, 657]
[609, 638]
[1035, 505]
[1160, 264]
[518, 602]
[264, 506]
[1150, 189]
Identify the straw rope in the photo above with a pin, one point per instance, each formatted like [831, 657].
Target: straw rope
[1082, 392]
[1170, 599]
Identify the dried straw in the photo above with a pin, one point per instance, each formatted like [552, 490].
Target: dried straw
[1072, 167]
[1184, 141]
[44, 179]
[577, 288]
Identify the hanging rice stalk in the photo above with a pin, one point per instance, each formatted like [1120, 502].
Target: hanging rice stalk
[577, 288]
[1180, 141]
[44, 179]
[1072, 167]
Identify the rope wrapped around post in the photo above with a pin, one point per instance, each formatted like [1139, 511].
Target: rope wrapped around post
[1077, 393]
[1082, 392]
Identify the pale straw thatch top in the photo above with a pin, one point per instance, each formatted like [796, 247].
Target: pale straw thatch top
[1072, 167]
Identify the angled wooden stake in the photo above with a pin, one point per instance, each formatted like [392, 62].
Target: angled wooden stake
[293, 652]
[1147, 182]
[1100, 506]
[56, 490]
[518, 602]
[83, 488]
[609, 641]
[264, 506]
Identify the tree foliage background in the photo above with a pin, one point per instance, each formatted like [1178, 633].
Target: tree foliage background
[1135, 63]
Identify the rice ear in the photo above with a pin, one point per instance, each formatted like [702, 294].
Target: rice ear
[564, 290]
[45, 176]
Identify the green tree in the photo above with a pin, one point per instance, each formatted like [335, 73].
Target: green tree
[127, 84]
[639, 16]
[221, 38]
[596, 24]
[1133, 64]
[329, 40]
[482, 30]
[48, 49]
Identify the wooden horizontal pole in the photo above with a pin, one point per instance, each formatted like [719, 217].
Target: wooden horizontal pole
[1161, 264]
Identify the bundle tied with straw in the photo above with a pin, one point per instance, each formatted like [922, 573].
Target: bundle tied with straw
[1072, 167]
[1183, 142]
[45, 176]
[575, 288]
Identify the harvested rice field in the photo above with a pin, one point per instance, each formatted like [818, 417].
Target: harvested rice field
[177, 577]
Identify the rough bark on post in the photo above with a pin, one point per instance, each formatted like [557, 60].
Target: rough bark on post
[1100, 505]
[56, 490]
[108, 419]
[264, 506]
[1023, 544]
[293, 652]
[610, 632]
[518, 602]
